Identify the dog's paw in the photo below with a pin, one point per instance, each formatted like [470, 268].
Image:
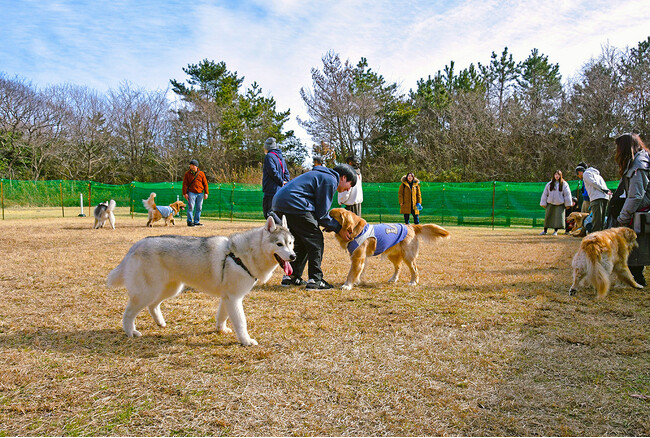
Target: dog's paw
[638, 286]
[346, 286]
[413, 283]
[251, 342]
[224, 330]
[134, 334]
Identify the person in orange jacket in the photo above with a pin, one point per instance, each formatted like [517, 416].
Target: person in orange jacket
[195, 190]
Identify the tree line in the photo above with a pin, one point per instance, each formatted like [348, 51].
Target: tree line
[508, 120]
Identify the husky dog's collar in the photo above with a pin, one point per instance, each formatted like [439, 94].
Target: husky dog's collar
[238, 261]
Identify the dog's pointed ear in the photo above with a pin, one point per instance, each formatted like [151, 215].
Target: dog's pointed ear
[270, 225]
[284, 221]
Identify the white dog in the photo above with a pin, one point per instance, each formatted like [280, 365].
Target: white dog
[104, 212]
[157, 268]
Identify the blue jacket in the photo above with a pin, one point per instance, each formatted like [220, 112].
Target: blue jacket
[313, 192]
[274, 172]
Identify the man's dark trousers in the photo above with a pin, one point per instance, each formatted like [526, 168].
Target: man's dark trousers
[308, 244]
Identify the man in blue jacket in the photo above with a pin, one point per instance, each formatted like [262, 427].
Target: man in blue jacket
[305, 202]
[274, 174]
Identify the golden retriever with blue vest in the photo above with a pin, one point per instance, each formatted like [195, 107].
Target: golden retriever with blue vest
[399, 242]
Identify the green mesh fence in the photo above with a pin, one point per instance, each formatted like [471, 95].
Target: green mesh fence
[495, 203]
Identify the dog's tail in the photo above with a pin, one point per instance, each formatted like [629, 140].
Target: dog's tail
[149, 203]
[430, 232]
[116, 277]
[595, 270]
[111, 205]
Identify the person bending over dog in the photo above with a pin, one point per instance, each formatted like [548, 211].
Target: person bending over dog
[305, 201]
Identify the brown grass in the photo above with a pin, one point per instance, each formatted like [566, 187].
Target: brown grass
[490, 343]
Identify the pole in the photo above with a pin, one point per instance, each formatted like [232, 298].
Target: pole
[232, 201]
[89, 200]
[61, 190]
[2, 196]
[494, 187]
[132, 206]
[379, 198]
[81, 205]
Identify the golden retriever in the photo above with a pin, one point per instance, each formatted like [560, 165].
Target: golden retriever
[575, 221]
[405, 251]
[155, 213]
[600, 254]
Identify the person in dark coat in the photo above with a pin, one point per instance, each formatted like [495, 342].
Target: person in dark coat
[274, 174]
[305, 202]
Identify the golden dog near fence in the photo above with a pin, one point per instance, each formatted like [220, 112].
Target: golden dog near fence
[600, 254]
[367, 240]
[156, 212]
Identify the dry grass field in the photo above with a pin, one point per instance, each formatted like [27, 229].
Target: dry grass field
[488, 344]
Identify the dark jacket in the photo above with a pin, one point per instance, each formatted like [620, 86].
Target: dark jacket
[274, 172]
[313, 192]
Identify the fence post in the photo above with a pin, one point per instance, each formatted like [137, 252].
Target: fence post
[61, 191]
[379, 198]
[2, 196]
[494, 188]
[444, 205]
[89, 200]
[232, 201]
[131, 204]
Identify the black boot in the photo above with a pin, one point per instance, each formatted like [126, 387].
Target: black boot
[637, 273]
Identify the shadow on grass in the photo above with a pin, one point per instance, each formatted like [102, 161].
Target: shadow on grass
[110, 342]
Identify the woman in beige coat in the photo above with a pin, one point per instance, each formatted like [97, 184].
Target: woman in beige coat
[410, 198]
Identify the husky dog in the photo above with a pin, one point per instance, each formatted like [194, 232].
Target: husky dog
[157, 212]
[601, 254]
[400, 243]
[158, 267]
[104, 212]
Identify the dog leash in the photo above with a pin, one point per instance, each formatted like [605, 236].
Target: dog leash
[238, 261]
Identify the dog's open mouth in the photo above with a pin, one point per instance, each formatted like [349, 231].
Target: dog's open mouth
[286, 266]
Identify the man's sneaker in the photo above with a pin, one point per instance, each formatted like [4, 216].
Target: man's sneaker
[190, 224]
[321, 284]
[198, 224]
[292, 281]
[555, 233]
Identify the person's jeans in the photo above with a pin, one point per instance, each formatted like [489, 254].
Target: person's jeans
[194, 204]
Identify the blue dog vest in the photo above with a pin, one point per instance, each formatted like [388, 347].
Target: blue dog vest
[164, 210]
[387, 235]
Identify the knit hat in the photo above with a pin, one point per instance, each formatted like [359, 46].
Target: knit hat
[194, 162]
[269, 144]
[581, 167]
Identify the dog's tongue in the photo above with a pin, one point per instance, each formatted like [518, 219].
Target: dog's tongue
[288, 270]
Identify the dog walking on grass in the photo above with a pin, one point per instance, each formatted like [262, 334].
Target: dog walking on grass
[157, 268]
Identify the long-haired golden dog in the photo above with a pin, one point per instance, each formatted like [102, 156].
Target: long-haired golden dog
[575, 221]
[369, 240]
[602, 253]
[156, 213]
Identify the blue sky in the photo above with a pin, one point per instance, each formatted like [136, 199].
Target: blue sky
[100, 44]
